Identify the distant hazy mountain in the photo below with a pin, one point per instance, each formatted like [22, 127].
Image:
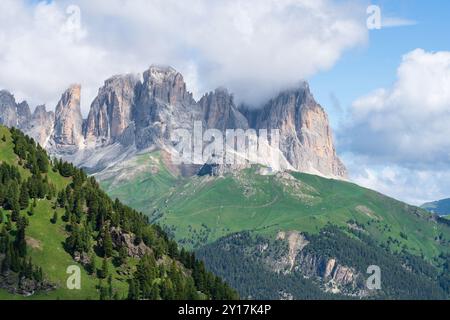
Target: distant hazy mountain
[441, 207]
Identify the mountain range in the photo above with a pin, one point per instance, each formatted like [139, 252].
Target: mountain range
[441, 207]
[131, 115]
[301, 232]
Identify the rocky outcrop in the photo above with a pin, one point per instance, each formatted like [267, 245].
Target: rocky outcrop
[110, 113]
[23, 115]
[41, 125]
[122, 239]
[82, 258]
[16, 283]
[67, 135]
[162, 106]
[332, 275]
[305, 133]
[220, 112]
[13, 114]
[8, 109]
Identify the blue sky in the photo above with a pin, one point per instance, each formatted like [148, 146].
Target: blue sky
[387, 91]
[375, 64]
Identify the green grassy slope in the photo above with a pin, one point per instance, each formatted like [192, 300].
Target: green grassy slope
[142, 182]
[143, 264]
[201, 210]
[45, 241]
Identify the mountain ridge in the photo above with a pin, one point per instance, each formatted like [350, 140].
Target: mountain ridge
[131, 114]
[441, 207]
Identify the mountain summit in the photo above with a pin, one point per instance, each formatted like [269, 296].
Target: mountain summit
[130, 115]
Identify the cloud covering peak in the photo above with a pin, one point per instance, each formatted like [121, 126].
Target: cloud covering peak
[254, 48]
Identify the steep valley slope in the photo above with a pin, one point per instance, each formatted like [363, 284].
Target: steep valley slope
[272, 222]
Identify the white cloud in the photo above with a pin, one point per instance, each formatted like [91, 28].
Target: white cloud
[402, 133]
[252, 47]
[40, 55]
[414, 186]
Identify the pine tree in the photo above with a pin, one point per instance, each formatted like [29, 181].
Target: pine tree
[105, 269]
[123, 255]
[54, 219]
[31, 211]
[154, 292]
[107, 244]
[110, 287]
[15, 214]
[133, 290]
[24, 196]
[92, 265]
[61, 199]
[20, 244]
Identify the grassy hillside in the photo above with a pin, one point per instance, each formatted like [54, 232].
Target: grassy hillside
[201, 210]
[142, 181]
[70, 215]
[234, 223]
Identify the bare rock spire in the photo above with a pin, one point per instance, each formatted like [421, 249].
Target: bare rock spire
[68, 119]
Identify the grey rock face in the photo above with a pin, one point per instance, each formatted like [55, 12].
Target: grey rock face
[162, 105]
[8, 109]
[68, 120]
[41, 125]
[13, 114]
[305, 134]
[220, 112]
[167, 85]
[23, 115]
[110, 113]
[129, 116]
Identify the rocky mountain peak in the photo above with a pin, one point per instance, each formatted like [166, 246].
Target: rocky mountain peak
[8, 109]
[68, 119]
[41, 124]
[220, 111]
[305, 134]
[23, 114]
[130, 116]
[110, 113]
[167, 85]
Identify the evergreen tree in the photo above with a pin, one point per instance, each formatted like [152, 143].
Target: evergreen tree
[54, 219]
[31, 211]
[133, 290]
[20, 243]
[103, 274]
[24, 196]
[123, 255]
[92, 264]
[107, 243]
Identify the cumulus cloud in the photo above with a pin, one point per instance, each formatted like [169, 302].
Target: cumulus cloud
[41, 53]
[412, 185]
[403, 132]
[253, 47]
